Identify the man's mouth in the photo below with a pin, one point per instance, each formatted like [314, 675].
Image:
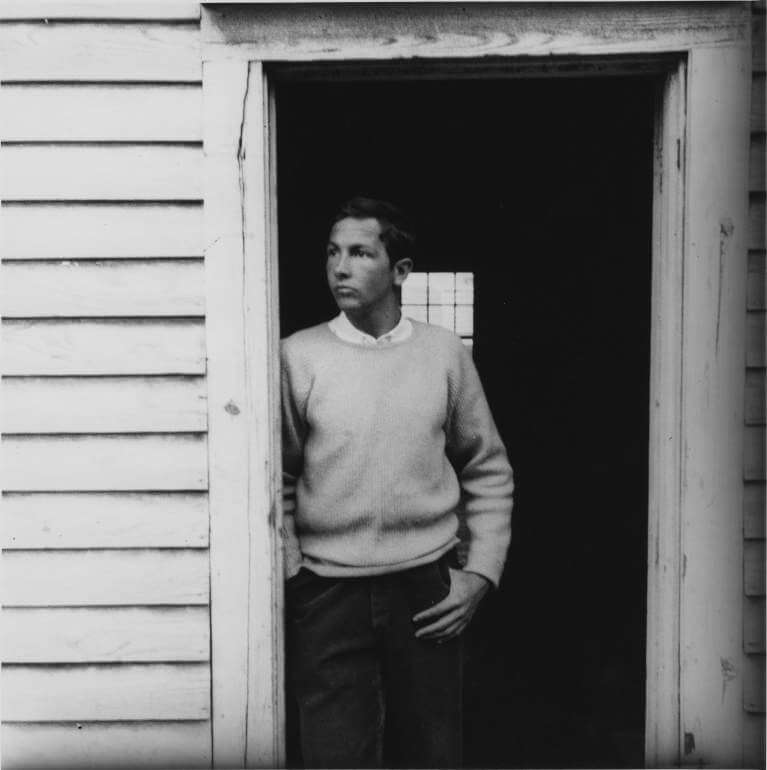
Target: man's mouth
[343, 290]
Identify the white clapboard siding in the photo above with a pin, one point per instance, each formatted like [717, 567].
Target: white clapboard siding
[753, 625]
[104, 520]
[135, 346]
[754, 567]
[99, 745]
[100, 112]
[105, 635]
[102, 404]
[111, 462]
[100, 51]
[754, 454]
[756, 221]
[187, 10]
[758, 89]
[755, 338]
[756, 164]
[758, 29]
[755, 390]
[753, 684]
[110, 577]
[757, 277]
[754, 507]
[102, 288]
[122, 691]
[754, 748]
[95, 231]
[101, 172]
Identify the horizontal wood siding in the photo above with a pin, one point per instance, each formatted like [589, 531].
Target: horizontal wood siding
[102, 288]
[164, 10]
[105, 520]
[756, 209]
[100, 112]
[127, 230]
[754, 415]
[753, 625]
[75, 462]
[758, 88]
[59, 578]
[756, 281]
[755, 339]
[101, 172]
[126, 691]
[105, 635]
[106, 570]
[754, 504]
[754, 458]
[753, 567]
[755, 397]
[83, 346]
[98, 51]
[753, 689]
[103, 404]
[96, 745]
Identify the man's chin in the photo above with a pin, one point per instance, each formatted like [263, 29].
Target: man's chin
[347, 304]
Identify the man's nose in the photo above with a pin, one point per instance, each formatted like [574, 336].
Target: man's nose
[341, 266]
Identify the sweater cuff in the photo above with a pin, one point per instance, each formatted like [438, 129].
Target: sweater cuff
[485, 565]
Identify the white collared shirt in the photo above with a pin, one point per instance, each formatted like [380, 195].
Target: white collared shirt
[343, 328]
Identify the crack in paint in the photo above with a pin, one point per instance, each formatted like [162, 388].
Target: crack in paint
[241, 153]
[726, 229]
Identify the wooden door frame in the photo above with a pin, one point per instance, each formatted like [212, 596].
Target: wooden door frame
[694, 647]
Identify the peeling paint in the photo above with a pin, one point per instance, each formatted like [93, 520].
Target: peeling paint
[726, 229]
[729, 672]
[689, 743]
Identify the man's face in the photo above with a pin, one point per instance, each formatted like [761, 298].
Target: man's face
[359, 274]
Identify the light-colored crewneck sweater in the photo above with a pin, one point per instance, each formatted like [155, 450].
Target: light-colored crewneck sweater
[381, 448]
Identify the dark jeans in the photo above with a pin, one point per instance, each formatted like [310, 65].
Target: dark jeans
[369, 694]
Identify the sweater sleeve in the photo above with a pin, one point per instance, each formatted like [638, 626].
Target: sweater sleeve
[477, 452]
[293, 434]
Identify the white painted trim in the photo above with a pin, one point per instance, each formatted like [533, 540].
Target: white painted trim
[339, 32]
[246, 576]
[713, 373]
[665, 444]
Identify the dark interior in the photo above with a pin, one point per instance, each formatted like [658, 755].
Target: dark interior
[542, 188]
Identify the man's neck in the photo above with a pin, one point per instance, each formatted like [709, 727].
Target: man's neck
[376, 324]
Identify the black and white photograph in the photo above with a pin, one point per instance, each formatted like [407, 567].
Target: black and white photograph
[383, 384]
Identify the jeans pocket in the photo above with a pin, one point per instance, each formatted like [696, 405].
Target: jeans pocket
[428, 585]
[444, 572]
[305, 590]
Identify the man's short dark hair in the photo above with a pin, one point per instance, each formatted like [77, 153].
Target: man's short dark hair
[396, 230]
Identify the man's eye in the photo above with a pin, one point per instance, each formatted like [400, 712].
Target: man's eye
[358, 253]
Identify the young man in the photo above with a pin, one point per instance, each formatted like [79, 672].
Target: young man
[386, 433]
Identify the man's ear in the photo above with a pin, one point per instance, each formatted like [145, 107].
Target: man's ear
[401, 270]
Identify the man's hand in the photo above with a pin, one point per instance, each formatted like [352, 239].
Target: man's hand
[453, 613]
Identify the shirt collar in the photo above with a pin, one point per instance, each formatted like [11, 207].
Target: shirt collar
[344, 329]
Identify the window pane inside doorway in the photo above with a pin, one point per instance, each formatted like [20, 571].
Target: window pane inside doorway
[442, 299]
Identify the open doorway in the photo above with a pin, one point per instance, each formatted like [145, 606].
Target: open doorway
[541, 190]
